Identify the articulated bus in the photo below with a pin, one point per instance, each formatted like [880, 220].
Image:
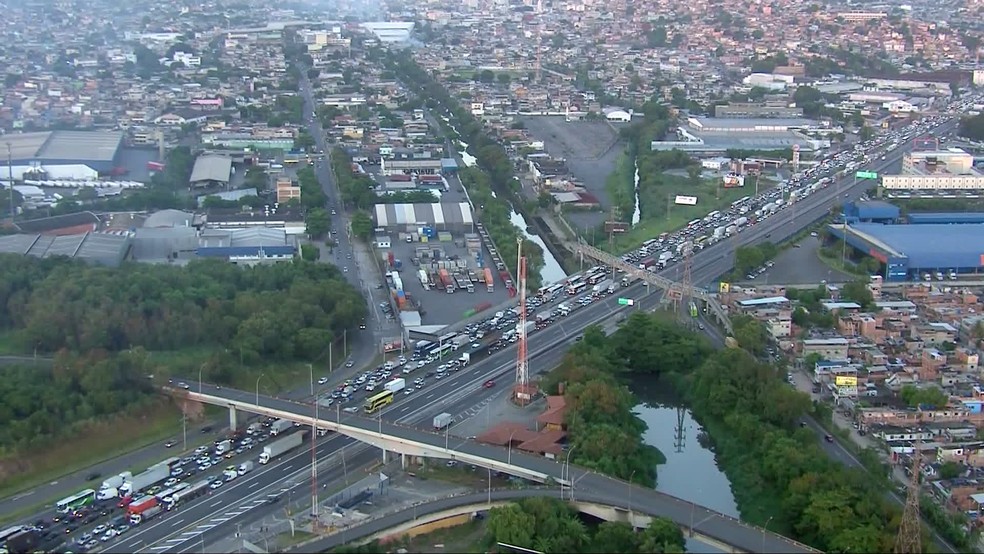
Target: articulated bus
[76, 501]
[377, 401]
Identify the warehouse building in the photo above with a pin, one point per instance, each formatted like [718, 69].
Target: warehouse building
[448, 216]
[211, 170]
[912, 251]
[871, 212]
[952, 218]
[97, 151]
[108, 249]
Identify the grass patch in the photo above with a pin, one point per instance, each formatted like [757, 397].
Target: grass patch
[834, 262]
[620, 186]
[653, 204]
[467, 537]
[286, 540]
[461, 474]
[98, 443]
[9, 344]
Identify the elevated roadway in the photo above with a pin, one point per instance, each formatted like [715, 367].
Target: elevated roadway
[608, 505]
[407, 440]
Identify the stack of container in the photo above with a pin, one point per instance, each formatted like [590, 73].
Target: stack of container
[444, 236]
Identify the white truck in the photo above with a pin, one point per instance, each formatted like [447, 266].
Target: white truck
[245, 467]
[116, 481]
[278, 447]
[141, 481]
[223, 447]
[564, 309]
[464, 359]
[665, 257]
[280, 426]
[606, 286]
[442, 420]
[254, 428]
[396, 385]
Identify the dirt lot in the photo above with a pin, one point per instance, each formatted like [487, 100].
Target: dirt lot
[590, 148]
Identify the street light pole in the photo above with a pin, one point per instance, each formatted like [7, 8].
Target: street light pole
[200, 368]
[258, 389]
[509, 455]
[631, 475]
[566, 474]
[764, 530]
[311, 369]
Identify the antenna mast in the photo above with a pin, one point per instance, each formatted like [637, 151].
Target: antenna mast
[522, 392]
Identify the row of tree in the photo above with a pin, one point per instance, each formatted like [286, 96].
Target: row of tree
[972, 127]
[357, 189]
[280, 311]
[494, 170]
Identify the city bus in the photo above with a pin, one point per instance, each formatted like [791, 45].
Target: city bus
[443, 349]
[164, 494]
[551, 291]
[377, 401]
[575, 288]
[423, 348]
[9, 532]
[76, 501]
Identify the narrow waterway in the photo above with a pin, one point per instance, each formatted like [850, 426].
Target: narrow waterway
[690, 472]
[636, 213]
[551, 272]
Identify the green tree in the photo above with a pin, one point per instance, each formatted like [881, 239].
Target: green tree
[310, 252]
[662, 535]
[615, 536]
[858, 291]
[317, 222]
[362, 225]
[511, 525]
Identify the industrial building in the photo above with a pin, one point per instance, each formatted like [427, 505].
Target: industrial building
[939, 170]
[714, 137]
[448, 216]
[871, 212]
[211, 170]
[44, 154]
[912, 251]
[96, 248]
[952, 218]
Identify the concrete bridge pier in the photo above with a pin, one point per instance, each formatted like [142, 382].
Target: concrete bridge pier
[385, 457]
[232, 418]
[403, 461]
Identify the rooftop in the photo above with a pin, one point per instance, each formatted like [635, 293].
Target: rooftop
[930, 245]
[97, 146]
[101, 248]
[209, 167]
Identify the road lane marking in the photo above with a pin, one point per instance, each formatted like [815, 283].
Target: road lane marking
[216, 503]
[253, 485]
[177, 522]
[222, 519]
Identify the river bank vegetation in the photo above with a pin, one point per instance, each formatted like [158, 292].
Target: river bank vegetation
[780, 476]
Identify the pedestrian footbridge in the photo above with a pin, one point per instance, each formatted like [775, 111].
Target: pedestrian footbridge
[412, 441]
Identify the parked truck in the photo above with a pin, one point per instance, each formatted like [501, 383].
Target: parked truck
[145, 515]
[489, 283]
[424, 280]
[442, 420]
[141, 481]
[396, 385]
[280, 426]
[606, 286]
[446, 280]
[280, 446]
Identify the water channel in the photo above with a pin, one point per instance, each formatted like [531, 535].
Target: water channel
[690, 472]
[551, 272]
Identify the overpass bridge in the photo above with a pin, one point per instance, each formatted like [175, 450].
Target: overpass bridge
[411, 441]
[674, 290]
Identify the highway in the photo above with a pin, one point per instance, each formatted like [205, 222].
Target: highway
[726, 529]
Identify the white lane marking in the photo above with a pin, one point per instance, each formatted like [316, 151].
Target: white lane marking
[216, 503]
[159, 548]
[254, 484]
[177, 522]
[221, 519]
[206, 527]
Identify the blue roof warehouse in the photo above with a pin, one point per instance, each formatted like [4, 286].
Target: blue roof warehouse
[909, 251]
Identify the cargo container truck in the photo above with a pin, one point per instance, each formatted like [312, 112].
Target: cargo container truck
[464, 359]
[446, 280]
[424, 280]
[198, 489]
[489, 282]
[142, 504]
[25, 540]
[396, 385]
[148, 514]
[442, 420]
[543, 317]
[719, 231]
[606, 286]
[280, 426]
[665, 257]
[278, 447]
[740, 221]
[245, 467]
[141, 481]
[116, 481]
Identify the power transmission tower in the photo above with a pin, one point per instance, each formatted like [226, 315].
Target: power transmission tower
[523, 392]
[909, 539]
[687, 282]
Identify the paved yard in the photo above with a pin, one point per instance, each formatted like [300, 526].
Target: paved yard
[590, 147]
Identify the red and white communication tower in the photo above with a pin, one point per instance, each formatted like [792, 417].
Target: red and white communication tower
[523, 392]
[796, 157]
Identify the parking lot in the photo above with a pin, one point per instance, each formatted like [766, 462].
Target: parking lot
[590, 147]
[799, 266]
[436, 306]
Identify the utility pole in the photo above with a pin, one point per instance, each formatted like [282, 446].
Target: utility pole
[10, 182]
[909, 539]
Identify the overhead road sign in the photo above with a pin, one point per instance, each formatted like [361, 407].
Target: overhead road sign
[626, 302]
[866, 175]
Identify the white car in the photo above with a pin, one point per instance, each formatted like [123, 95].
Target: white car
[322, 381]
[215, 484]
[171, 482]
[109, 535]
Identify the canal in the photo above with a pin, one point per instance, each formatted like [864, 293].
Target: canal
[551, 272]
[690, 472]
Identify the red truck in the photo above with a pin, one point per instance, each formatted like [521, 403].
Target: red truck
[446, 280]
[141, 505]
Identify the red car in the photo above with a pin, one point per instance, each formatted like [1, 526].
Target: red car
[489, 384]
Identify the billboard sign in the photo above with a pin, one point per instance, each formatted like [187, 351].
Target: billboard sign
[733, 180]
[686, 200]
[846, 381]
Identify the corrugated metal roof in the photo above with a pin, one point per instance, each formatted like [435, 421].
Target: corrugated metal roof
[932, 246]
[448, 213]
[211, 168]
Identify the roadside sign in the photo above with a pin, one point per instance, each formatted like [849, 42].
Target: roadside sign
[626, 302]
[866, 175]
